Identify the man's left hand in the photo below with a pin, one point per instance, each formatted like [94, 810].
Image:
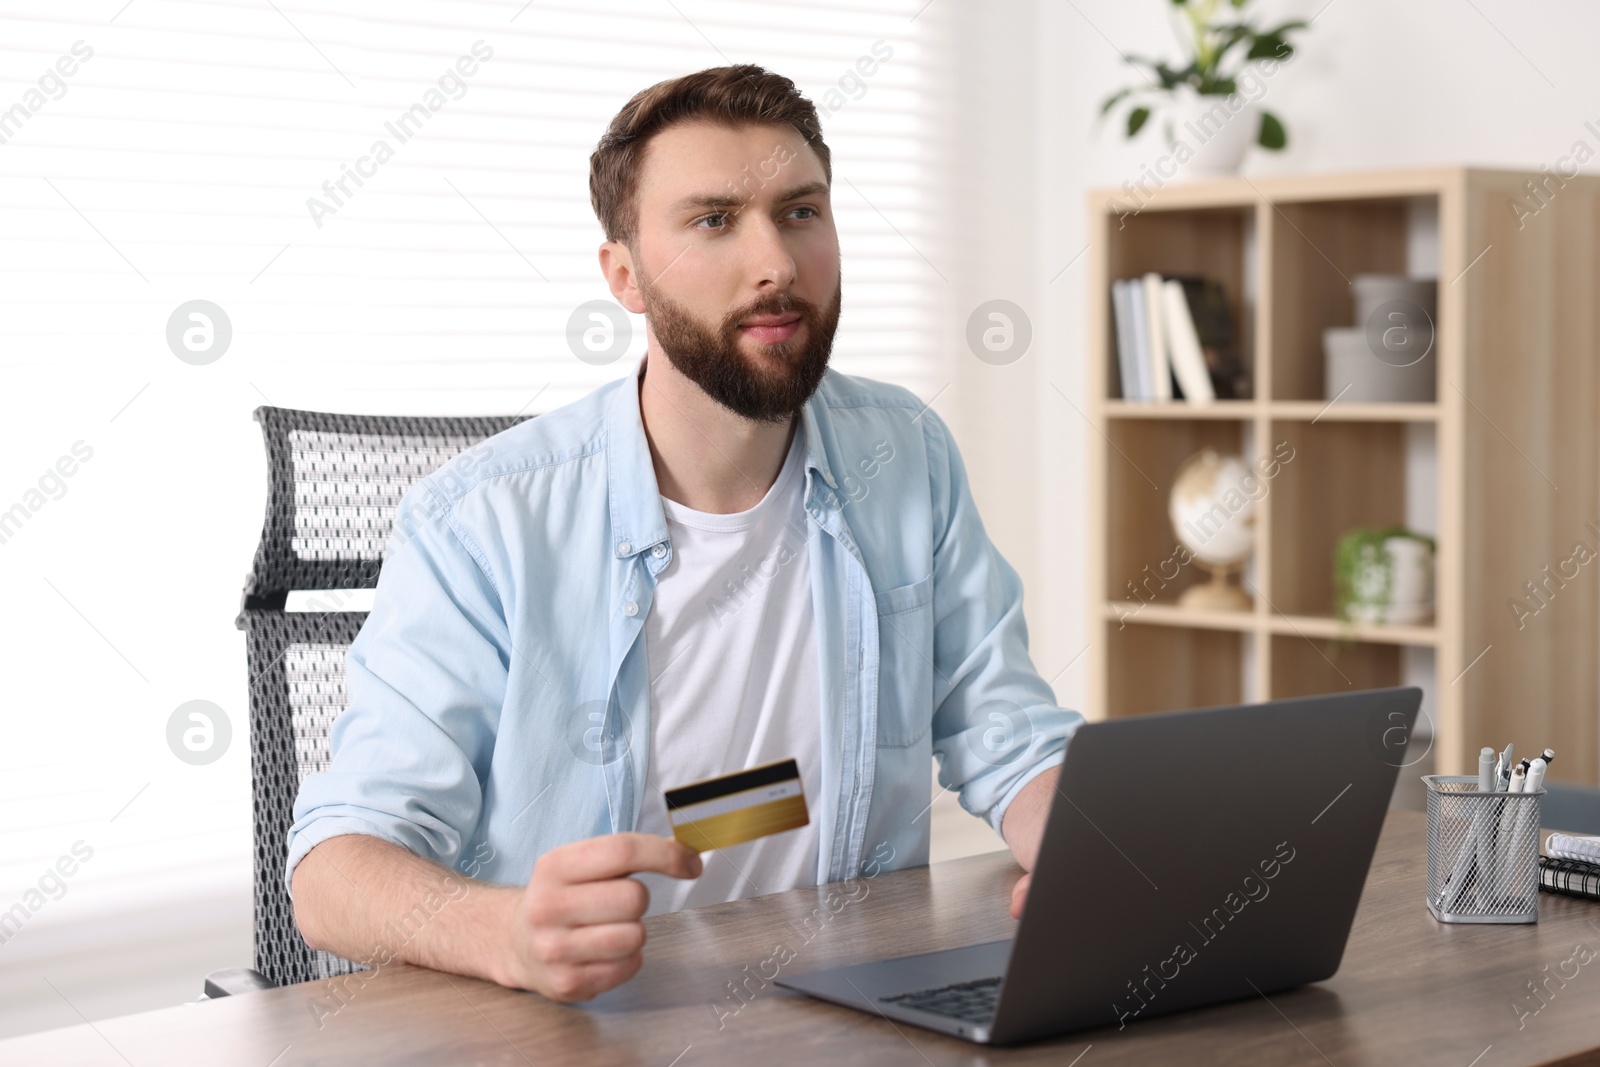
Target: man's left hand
[1023, 829]
[1019, 895]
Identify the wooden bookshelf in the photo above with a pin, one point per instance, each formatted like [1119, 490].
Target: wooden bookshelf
[1506, 462]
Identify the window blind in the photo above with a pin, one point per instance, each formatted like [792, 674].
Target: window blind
[159, 152]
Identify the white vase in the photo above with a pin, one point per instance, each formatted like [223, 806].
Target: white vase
[1218, 130]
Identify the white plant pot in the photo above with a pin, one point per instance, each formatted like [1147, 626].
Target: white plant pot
[1217, 134]
[1410, 583]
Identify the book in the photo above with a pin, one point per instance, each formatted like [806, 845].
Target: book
[1183, 342]
[1169, 348]
[1127, 363]
[1139, 329]
[1156, 332]
[1572, 878]
[1219, 343]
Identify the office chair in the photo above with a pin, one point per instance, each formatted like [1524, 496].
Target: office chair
[334, 483]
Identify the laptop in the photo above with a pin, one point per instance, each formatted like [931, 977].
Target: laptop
[1189, 858]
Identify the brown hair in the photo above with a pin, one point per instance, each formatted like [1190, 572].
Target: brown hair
[742, 95]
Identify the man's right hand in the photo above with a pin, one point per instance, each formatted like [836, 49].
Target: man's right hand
[576, 929]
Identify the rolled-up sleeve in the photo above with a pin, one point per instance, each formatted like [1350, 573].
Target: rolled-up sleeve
[425, 681]
[996, 725]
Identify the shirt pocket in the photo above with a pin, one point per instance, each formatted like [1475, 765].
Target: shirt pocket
[905, 663]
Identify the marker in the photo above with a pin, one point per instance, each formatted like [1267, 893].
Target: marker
[1486, 770]
[1522, 825]
[1535, 779]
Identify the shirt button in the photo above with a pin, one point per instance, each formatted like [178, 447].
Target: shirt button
[630, 608]
[659, 551]
[625, 547]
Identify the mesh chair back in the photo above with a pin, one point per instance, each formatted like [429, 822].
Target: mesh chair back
[334, 483]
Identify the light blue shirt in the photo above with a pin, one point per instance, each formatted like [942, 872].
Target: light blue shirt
[499, 692]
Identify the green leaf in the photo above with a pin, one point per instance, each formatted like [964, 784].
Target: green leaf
[1111, 101]
[1272, 133]
[1172, 77]
[1270, 48]
[1229, 37]
[1142, 61]
[1136, 120]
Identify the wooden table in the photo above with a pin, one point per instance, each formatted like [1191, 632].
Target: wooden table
[1410, 991]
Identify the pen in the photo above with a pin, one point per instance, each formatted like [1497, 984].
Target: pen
[1505, 849]
[1505, 767]
[1477, 847]
[1480, 845]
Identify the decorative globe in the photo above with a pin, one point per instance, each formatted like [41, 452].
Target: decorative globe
[1213, 514]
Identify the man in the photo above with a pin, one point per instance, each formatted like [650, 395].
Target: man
[733, 556]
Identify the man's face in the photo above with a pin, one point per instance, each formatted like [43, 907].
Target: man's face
[737, 263]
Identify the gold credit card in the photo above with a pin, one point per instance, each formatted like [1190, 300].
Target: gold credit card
[738, 807]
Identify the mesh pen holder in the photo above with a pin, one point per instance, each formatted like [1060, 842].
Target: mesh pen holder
[1483, 852]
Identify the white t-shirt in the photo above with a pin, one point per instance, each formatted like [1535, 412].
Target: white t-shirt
[735, 681]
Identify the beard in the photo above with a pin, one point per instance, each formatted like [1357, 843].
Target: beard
[770, 386]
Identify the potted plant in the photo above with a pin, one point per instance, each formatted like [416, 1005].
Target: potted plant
[1384, 575]
[1202, 96]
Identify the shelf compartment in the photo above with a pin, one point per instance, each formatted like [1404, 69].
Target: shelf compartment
[1302, 667]
[1340, 475]
[1141, 548]
[1167, 668]
[1206, 242]
[1316, 249]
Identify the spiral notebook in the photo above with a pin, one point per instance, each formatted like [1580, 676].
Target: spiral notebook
[1573, 878]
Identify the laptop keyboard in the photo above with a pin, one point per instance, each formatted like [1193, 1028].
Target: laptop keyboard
[971, 1001]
